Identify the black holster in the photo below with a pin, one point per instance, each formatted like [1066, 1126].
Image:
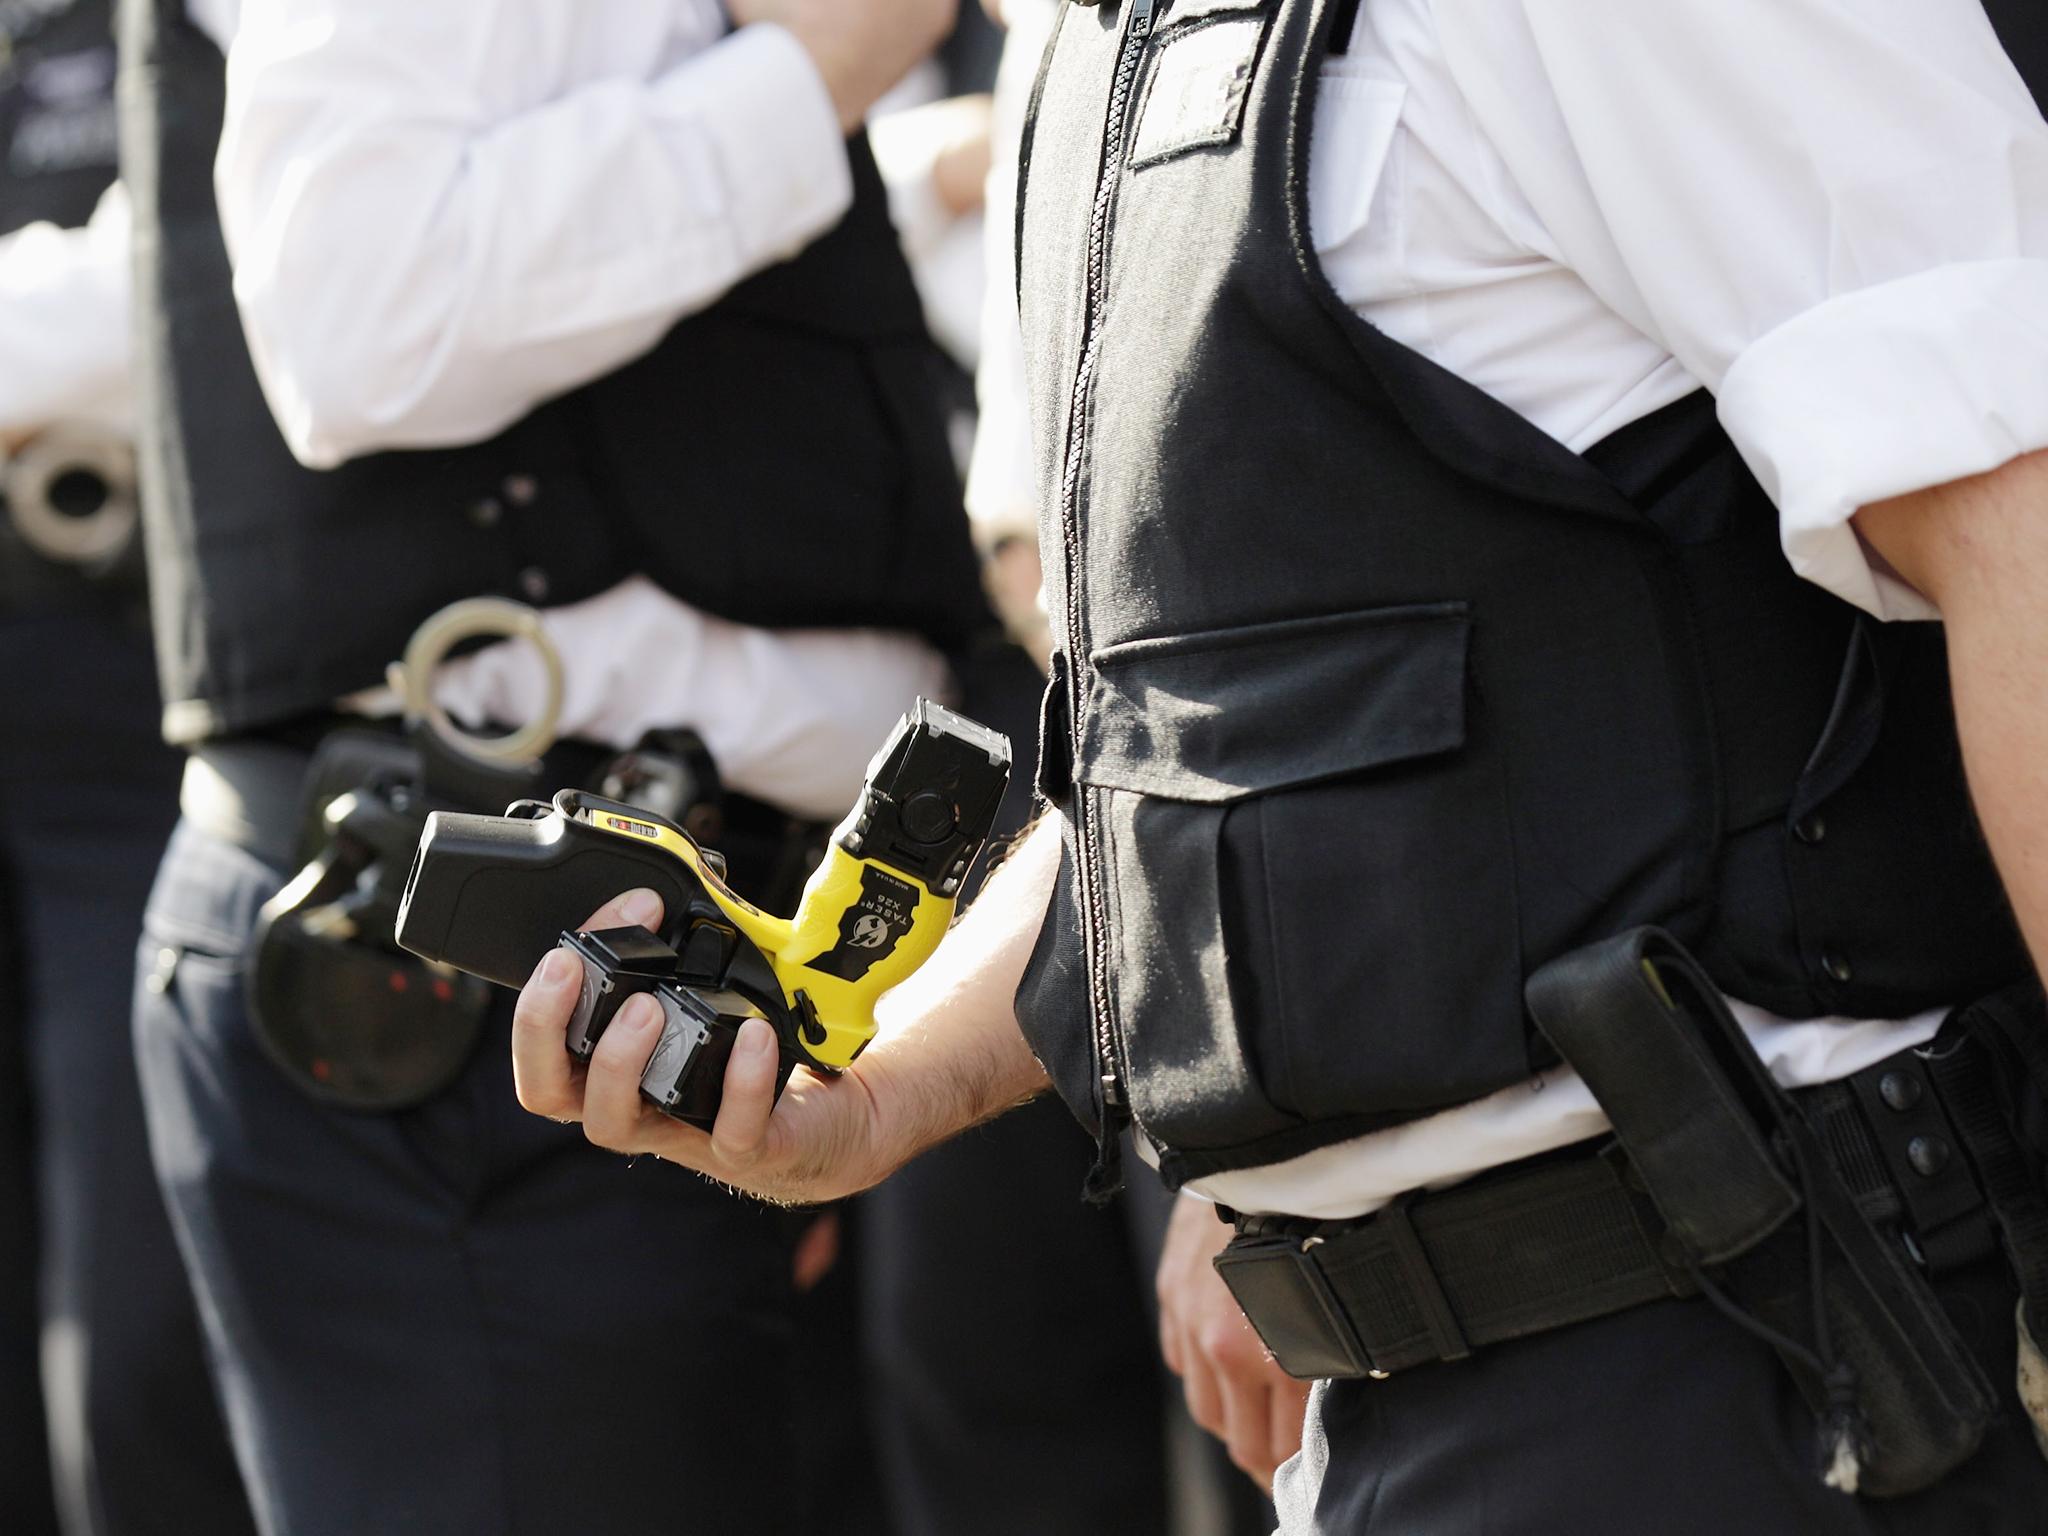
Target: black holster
[1763, 1217]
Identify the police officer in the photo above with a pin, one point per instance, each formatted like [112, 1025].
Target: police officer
[1405, 663]
[135, 1436]
[602, 311]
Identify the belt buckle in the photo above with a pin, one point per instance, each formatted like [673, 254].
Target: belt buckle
[1281, 1287]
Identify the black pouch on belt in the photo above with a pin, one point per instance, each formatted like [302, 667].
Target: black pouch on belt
[1761, 1216]
[1995, 1085]
[344, 1013]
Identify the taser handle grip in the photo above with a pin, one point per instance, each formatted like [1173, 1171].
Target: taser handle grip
[492, 895]
[821, 956]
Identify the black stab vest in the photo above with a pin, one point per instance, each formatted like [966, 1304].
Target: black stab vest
[57, 138]
[2022, 26]
[1371, 697]
[779, 459]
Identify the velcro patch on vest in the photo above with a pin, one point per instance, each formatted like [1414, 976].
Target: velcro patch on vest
[1190, 10]
[1200, 84]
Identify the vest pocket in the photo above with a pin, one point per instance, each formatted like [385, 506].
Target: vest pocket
[1309, 872]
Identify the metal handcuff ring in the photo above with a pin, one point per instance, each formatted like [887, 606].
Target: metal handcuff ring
[31, 478]
[412, 679]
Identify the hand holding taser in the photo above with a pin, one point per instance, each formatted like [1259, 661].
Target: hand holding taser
[488, 894]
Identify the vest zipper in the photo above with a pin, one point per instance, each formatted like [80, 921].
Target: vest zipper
[1094, 935]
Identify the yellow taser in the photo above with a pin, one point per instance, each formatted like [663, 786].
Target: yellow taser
[882, 898]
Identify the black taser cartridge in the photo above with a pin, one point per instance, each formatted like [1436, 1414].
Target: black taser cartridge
[618, 963]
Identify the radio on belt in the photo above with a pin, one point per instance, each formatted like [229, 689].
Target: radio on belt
[490, 894]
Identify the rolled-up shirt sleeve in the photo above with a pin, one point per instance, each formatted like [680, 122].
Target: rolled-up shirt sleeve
[64, 296]
[429, 241]
[1835, 217]
[1889, 390]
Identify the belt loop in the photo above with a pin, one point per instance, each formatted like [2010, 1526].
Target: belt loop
[1908, 1120]
[1966, 1078]
[1423, 1285]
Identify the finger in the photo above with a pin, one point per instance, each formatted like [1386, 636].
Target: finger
[741, 1129]
[543, 1072]
[629, 909]
[1289, 1403]
[1170, 1325]
[817, 1253]
[1204, 1394]
[1246, 1423]
[611, 1090]
[1169, 1341]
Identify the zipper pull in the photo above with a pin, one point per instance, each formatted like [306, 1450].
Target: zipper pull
[1106, 1173]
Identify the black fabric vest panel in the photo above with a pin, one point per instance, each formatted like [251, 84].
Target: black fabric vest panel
[57, 134]
[2022, 27]
[1372, 697]
[779, 459]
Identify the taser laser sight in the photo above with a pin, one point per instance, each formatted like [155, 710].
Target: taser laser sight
[491, 894]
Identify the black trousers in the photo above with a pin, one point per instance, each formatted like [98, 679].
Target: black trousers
[460, 1318]
[24, 1444]
[1667, 1418]
[1015, 1371]
[1013, 1353]
[87, 795]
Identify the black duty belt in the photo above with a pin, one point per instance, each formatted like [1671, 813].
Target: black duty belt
[252, 791]
[33, 587]
[1574, 1236]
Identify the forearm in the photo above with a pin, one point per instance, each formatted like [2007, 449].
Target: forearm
[950, 1054]
[506, 243]
[64, 322]
[1979, 549]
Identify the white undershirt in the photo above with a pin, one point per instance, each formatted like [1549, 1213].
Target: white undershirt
[1833, 216]
[64, 322]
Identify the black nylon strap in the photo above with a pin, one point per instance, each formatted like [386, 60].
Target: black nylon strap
[1439, 1317]
[1921, 1147]
[1443, 1274]
[2004, 1054]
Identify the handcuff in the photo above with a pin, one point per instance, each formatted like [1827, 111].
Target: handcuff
[71, 496]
